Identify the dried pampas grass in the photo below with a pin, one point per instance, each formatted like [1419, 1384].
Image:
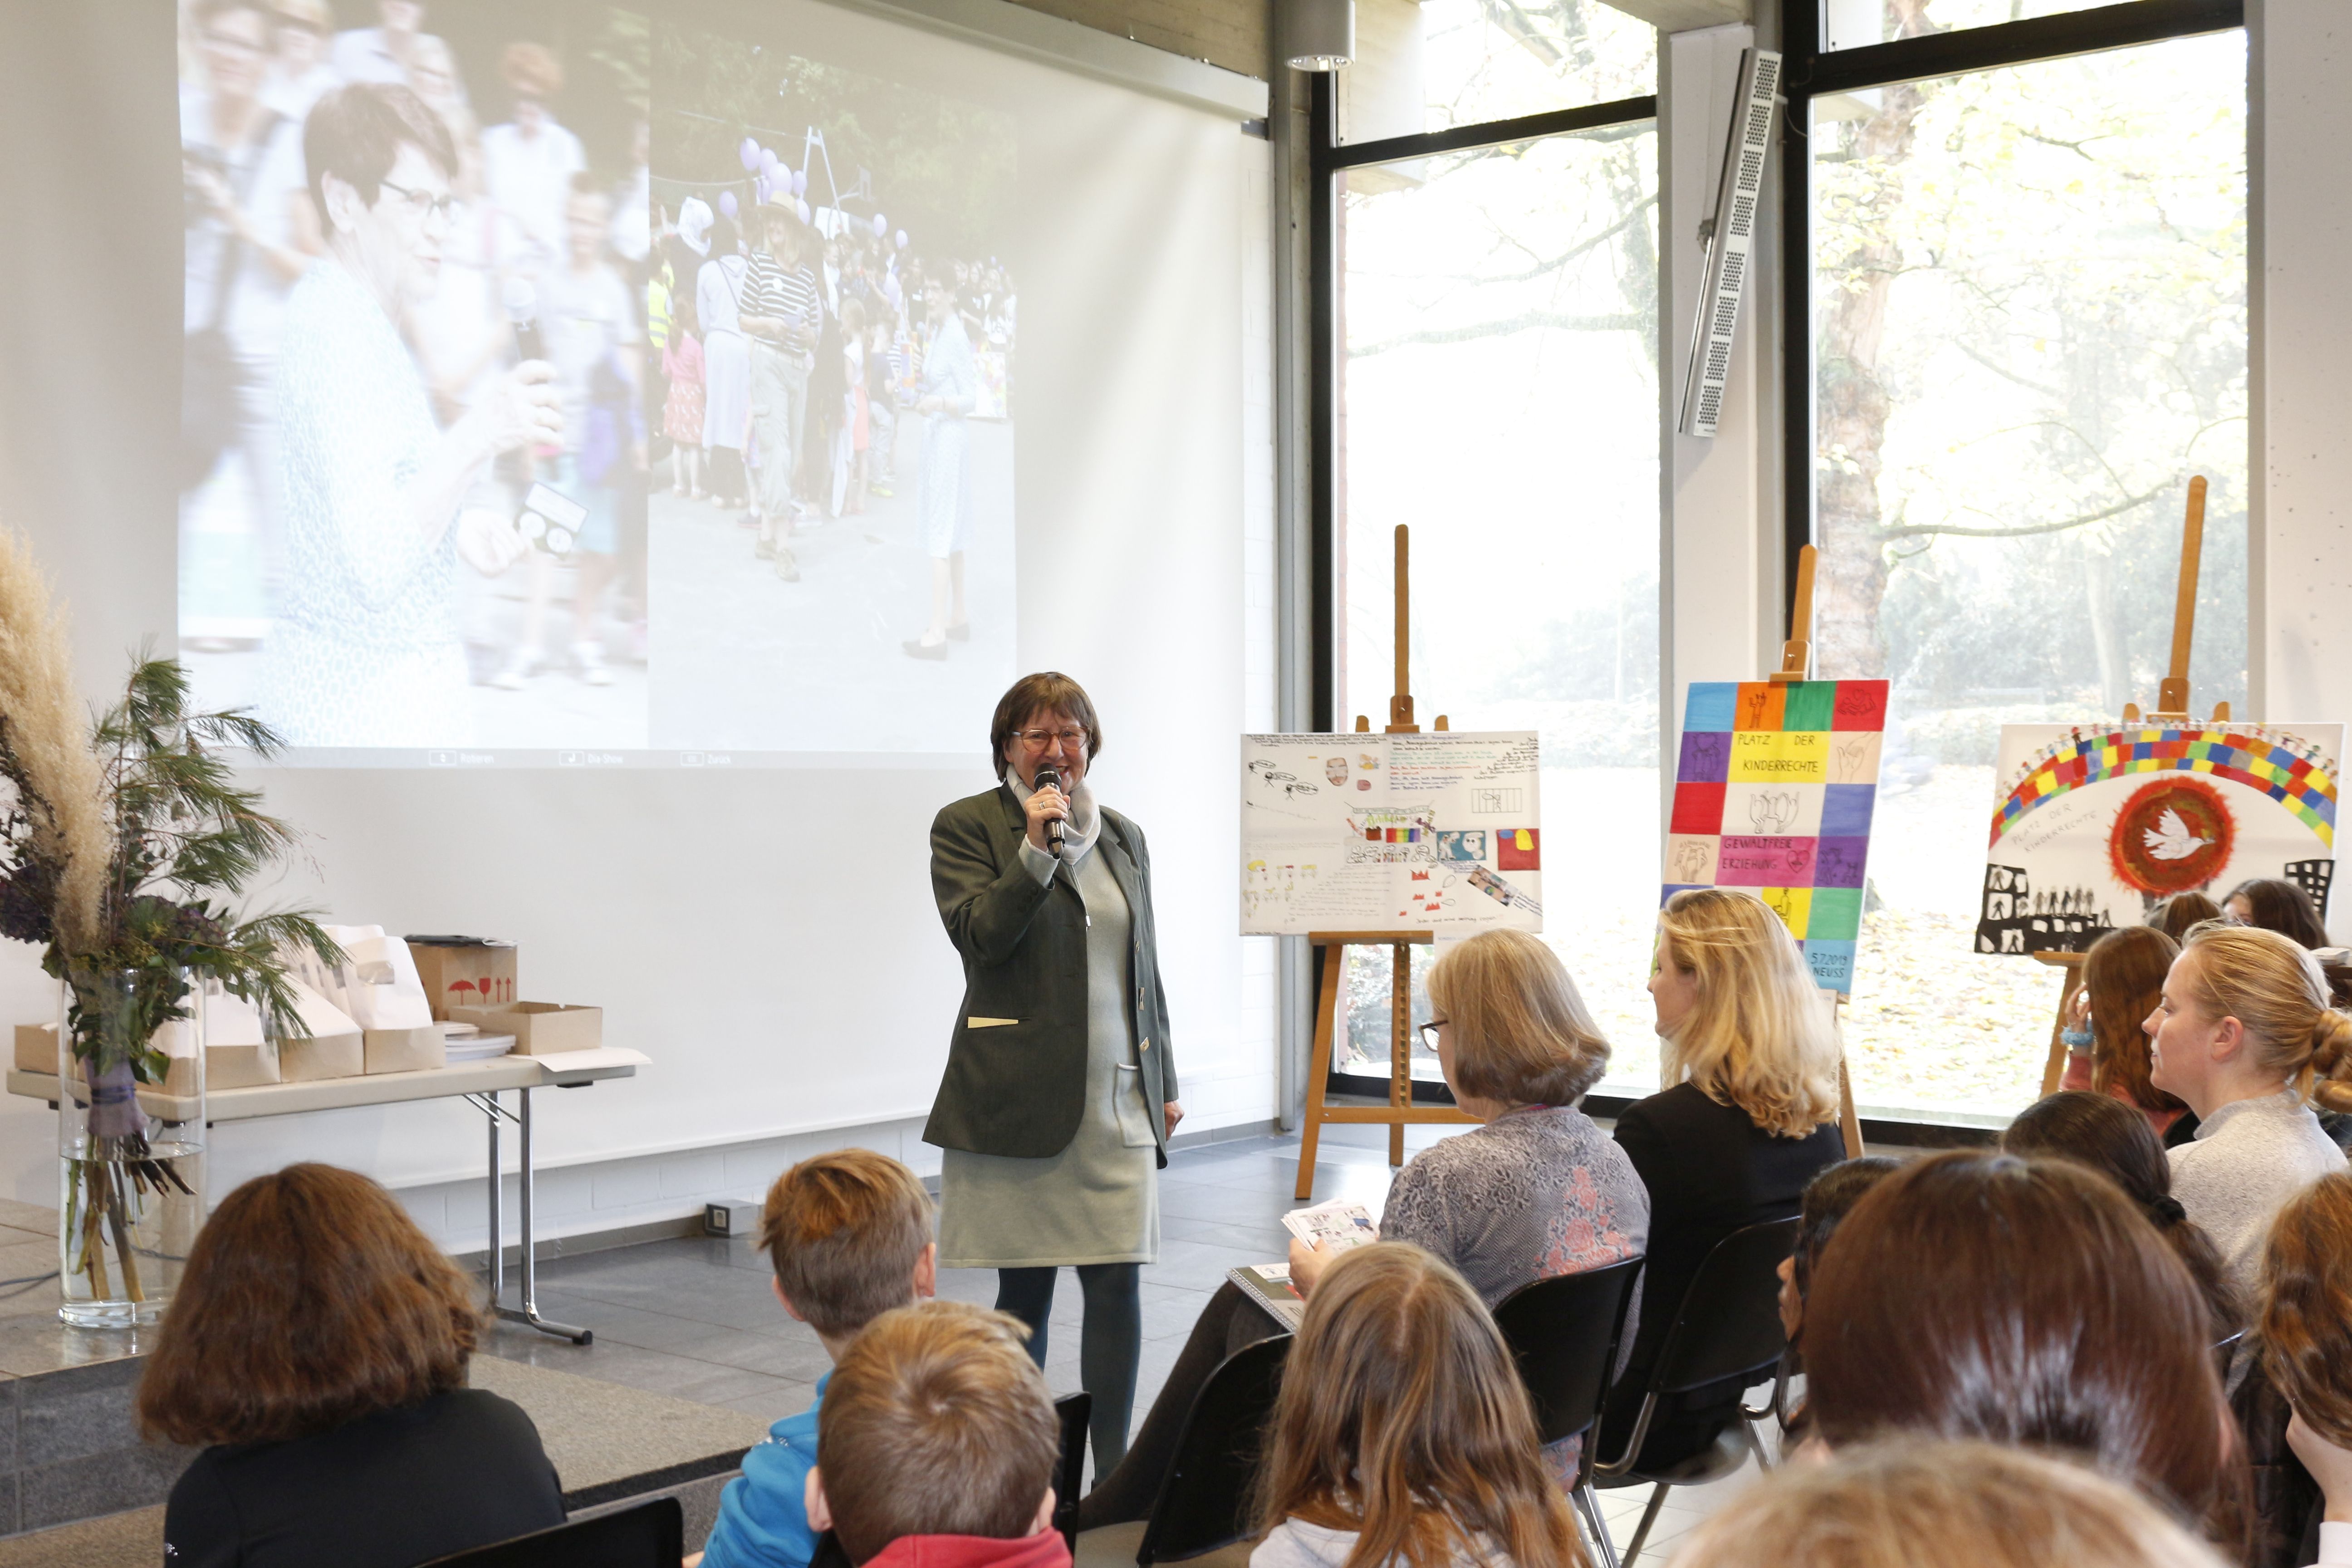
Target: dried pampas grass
[48, 728]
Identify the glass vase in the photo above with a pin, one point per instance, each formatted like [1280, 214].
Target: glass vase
[131, 1141]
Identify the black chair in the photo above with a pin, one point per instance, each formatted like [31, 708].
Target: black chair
[1564, 1331]
[1204, 1503]
[1075, 1410]
[1728, 1326]
[650, 1535]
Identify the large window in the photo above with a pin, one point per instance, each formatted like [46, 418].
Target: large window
[2027, 314]
[1496, 327]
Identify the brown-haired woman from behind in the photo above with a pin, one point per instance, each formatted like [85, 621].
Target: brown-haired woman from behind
[2113, 1140]
[2302, 1349]
[2022, 1301]
[1402, 1435]
[1913, 1504]
[317, 1348]
[2123, 978]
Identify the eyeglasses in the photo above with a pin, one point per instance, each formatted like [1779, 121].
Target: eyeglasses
[1038, 740]
[1429, 1033]
[423, 202]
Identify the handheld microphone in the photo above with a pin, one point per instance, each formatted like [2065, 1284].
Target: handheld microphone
[522, 312]
[1047, 778]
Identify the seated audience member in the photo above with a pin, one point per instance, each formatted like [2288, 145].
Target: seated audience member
[2025, 1302]
[2303, 1359]
[936, 1446]
[1828, 1198]
[1536, 1191]
[849, 1234]
[1750, 1057]
[1402, 1434]
[2243, 1027]
[2123, 979]
[2113, 1140]
[1914, 1504]
[317, 1348]
[2178, 914]
[2272, 903]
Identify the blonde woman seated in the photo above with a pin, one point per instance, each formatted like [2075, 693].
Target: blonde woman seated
[1426, 1460]
[1749, 1060]
[2245, 1035]
[1536, 1191]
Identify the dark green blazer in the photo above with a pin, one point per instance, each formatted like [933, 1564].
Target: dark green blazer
[1018, 1087]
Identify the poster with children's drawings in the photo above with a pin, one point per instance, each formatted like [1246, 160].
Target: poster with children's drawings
[1362, 831]
[1773, 794]
[2094, 825]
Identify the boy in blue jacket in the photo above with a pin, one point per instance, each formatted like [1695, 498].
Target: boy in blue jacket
[850, 1235]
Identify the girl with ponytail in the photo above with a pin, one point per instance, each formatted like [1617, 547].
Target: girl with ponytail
[2245, 1035]
[2113, 1138]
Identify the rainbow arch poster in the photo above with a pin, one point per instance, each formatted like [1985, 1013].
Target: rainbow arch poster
[2092, 826]
[1774, 790]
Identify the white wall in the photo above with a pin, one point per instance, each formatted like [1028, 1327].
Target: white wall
[2302, 61]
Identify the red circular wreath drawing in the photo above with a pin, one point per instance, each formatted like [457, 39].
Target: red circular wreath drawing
[2171, 836]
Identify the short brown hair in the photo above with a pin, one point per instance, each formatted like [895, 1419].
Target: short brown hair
[2024, 1301]
[529, 70]
[936, 1423]
[356, 133]
[2123, 973]
[1403, 1418]
[843, 1231]
[1047, 691]
[2305, 1323]
[1907, 1503]
[310, 1299]
[1520, 1031]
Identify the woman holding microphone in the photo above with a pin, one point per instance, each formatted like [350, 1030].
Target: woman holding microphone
[1060, 1095]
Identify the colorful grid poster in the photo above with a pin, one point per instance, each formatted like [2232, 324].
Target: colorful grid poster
[2094, 824]
[1773, 794]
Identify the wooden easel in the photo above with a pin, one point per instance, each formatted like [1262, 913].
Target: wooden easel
[1797, 666]
[1400, 1111]
[2171, 707]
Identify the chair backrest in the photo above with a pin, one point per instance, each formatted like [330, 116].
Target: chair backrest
[1204, 1503]
[1728, 1324]
[1074, 1411]
[1563, 1333]
[650, 1535]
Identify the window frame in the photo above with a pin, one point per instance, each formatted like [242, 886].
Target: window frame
[1808, 71]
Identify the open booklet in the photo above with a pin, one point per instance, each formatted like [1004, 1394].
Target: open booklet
[1342, 1225]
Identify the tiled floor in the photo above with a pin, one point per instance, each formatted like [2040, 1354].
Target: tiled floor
[695, 1319]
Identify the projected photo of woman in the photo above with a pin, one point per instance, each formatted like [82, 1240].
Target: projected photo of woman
[950, 387]
[1060, 1091]
[366, 651]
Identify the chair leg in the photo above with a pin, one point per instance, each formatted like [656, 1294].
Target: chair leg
[1755, 1445]
[1588, 1502]
[1649, 1518]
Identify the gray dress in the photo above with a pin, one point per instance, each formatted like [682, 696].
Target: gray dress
[1097, 1201]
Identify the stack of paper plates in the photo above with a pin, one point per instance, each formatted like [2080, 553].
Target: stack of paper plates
[479, 1047]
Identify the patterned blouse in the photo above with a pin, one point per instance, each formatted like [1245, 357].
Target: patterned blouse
[365, 651]
[1537, 1192]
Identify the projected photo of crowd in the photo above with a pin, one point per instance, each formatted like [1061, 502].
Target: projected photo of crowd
[557, 377]
[831, 559]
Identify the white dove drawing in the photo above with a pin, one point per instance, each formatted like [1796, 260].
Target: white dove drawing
[2170, 840]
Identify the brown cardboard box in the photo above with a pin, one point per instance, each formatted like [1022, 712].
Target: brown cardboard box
[300, 1061]
[406, 1050]
[464, 977]
[36, 1048]
[240, 1067]
[540, 1028]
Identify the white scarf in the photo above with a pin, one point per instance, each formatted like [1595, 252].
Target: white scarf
[1084, 826]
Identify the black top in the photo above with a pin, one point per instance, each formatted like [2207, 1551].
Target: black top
[388, 1491]
[1710, 1171]
[1016, 1079]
